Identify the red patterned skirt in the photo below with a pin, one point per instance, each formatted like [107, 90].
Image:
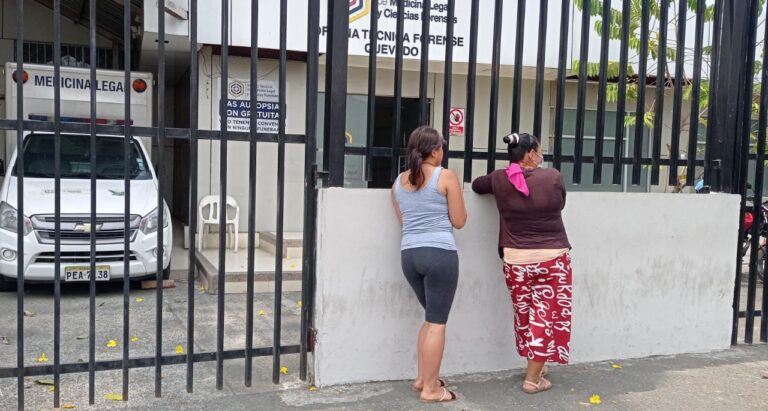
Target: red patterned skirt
[541, 295]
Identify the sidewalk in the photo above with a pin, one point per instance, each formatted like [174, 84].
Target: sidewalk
[729, 380]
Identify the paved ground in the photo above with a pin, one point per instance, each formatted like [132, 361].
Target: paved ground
[729, 380]
[38, 338]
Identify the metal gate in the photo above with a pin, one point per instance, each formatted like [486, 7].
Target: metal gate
[722, 97]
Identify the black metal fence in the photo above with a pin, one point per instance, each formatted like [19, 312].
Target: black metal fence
[722, 98]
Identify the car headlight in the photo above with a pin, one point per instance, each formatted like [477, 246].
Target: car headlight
[150, 223]
[9, 219]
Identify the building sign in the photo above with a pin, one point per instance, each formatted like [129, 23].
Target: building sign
[456, 121]
[239, 106]
[360, 35]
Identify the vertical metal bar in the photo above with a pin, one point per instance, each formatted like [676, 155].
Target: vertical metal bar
[20, 201]
[732, 125]
[494, 103]
[92, 281]
[336, 93]
[746, 129]
[193, 162]
[518, 75]
[597, 176]
[565, 12]
[540, 62]
[224, 130]
[280, 193]
[621, 104]
[252, 146]
[693, 128]
[371, 126]
[127, 197]
[469, 141]
[582, 92]
[160, 203]
[424, 67]
[57, 203]
[712, 170]
[682, 16]
[310, 179]
[661, 66]
[642, 72]
[448, 79]
[397, 126]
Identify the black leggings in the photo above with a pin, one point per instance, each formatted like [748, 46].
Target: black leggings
[433, 274]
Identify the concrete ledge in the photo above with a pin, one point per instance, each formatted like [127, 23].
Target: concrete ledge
[236, 282]
[653, 275]
[293, 243]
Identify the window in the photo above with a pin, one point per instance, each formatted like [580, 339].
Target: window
[76, 158]
[71, 55]
[587, 169]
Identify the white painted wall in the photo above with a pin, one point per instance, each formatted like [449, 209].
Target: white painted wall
[357, 83]
[649, 279]
[209, 165]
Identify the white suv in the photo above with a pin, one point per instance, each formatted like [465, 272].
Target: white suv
[39, 219]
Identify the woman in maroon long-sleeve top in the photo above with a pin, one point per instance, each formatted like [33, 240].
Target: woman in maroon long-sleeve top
[535, 249]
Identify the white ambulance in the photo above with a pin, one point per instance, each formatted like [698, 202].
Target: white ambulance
[39, 172]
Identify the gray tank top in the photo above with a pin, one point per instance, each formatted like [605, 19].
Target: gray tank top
[425, 216]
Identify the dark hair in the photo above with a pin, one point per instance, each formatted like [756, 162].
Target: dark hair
[518, 145]
[422, 142]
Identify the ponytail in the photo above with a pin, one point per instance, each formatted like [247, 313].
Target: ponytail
[416, 176]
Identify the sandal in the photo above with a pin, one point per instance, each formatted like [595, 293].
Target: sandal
[530, 387]
[447, 396]
[440, 380]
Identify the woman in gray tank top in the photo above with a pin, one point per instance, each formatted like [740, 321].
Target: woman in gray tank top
[429, 203]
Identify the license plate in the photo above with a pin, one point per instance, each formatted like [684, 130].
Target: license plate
[83, 273]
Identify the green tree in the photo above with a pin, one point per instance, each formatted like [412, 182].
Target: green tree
[612, 92]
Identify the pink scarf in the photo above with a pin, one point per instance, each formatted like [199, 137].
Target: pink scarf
[515, 176]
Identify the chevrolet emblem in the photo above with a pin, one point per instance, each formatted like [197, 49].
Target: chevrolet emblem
[86, 227]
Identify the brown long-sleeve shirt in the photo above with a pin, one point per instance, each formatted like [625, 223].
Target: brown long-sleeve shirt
[533, 222]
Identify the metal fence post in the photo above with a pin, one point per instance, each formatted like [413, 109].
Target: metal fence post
[728, 93]
[336, 91]
[728, 139]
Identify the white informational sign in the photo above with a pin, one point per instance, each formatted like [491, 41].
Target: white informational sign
[239, 106]
[456, 121]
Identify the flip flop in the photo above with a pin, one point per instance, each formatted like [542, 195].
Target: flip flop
[451, 396]
[530, 387]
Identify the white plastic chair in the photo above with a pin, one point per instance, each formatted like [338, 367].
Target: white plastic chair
[211, 218]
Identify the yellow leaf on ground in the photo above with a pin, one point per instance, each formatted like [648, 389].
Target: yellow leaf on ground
[68, 406]
[261, 312]
[139, 299]
[111, 343]
[42, 358]
[595, 399]
[179, 349]
[298, 304]
[114, 397]
[51, 389]
[616, 366]
[284, 370]
[313, 388]
[134, 339]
